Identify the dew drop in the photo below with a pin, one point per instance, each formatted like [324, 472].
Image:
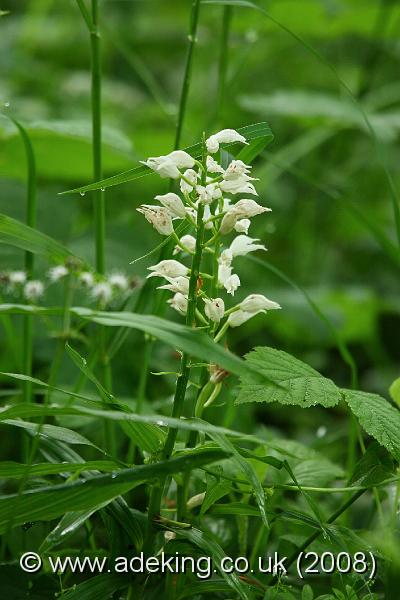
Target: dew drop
[82, 193]
[161, 423]
[103, 189]
[113, 475]
[6, 104]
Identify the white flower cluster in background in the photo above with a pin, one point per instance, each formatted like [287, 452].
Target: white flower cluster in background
[223, 195]
[101, 290]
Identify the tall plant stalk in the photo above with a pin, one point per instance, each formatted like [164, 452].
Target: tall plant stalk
[92, 21]
[29, 259]
[148, 343]
[183, 378]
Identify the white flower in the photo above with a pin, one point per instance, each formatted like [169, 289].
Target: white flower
[176, 284]
[168, 268]
[181, 159]
[224, 272]
[169, 165]
[159, 217]
[102, 292]
[86, 278]
[57, 273]
[256, 303]
[226, 136]
[119, 281]
[244, 208]
[33, 290]
[207, 216]
[249, 208]
[163, 166]
[242, 226]
[190, 176]
[239, 317]
[231, 284]
[214, 309]
[187, 240]
[238, 185]
[17, 277]
[237, 168]
[213, 166]
[173, 204]
[179, 302]
[243, 244]
[208, 193]
[226, 257]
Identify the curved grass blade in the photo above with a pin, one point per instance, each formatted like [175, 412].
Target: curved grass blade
[250, 132]
[194, 342]
[22, 236]
[50, 502]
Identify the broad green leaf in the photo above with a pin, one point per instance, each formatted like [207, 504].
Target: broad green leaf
[189, 340]
[205, 587]
[250, 132]
[374, 466]
[63, 150]
[300, 384]
[214, 493]
[378, 417]
[192, 341]
[209, 546]
[67, 526]
[394, 391]
[22, 236]
[51, 502]
[146, 436]
[51, 431]
[100, 587]
[248, 471]
[28, 410]
[11, 469]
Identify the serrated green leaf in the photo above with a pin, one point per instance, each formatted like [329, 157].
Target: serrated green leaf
[299, 383]
[378, 417]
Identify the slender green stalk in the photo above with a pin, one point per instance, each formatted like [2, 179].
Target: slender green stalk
[193, 27]
[99, 202]
[180, 391]
[317, 533]
[223, 61]
[194, 22]
[31, 209]
[92, 22]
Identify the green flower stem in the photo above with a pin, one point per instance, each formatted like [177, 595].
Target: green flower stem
[221, 332]
[194, 22]
[180, 391]
[223, 61]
